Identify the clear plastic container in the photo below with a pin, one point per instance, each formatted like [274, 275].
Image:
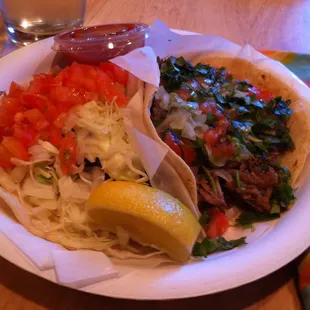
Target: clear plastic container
[91, 45]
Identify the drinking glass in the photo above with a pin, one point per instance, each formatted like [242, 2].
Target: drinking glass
[27, 21]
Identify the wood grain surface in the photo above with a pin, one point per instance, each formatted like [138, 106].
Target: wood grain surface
[277, 24]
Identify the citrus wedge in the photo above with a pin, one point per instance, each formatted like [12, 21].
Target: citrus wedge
[152, 217]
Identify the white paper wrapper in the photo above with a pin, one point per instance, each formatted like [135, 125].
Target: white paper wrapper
[82, 268]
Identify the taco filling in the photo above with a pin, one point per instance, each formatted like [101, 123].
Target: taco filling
[230, 134]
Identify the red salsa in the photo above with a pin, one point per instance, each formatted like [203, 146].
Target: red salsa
[92, 45]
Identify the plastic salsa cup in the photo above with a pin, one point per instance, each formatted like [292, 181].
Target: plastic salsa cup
[91, 45]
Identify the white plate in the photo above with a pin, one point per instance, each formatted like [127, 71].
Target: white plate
[289, 237]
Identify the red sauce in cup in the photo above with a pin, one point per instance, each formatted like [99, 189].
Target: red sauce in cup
[91, 45]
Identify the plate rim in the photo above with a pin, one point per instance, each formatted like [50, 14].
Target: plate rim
[296, 248]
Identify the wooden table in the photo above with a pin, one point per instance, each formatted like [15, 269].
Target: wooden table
[277, 24]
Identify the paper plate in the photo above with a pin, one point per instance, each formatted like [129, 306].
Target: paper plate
[276, 247]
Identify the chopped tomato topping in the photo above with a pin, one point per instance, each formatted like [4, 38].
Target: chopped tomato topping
[33, 115]
[15, 90]
[189, 155]
[264, 94]
[15, 147]
[173, 142]
[181, 147]
[217, 225]
[109, 91]
[40, 110]
[25, 134]
[59, 122]
[217, 130]
[5, 157]
[19, 117]
[54, 136]
[219, 126]
[115, 72]
[224, 149]
[183, 94]
[67, 154]
[210, 137]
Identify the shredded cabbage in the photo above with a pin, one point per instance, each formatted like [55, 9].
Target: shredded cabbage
[55, 203]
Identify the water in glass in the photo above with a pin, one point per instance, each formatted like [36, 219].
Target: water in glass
[32, 20]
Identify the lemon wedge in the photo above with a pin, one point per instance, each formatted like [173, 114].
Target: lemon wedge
[152, 217]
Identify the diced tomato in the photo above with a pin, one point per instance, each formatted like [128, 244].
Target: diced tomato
[91, 96]
[75, 77]
[37, 119]
[173, 142]
[33, 116]
[44, 135]
[225, 149]
[210, 137]
[189, 154]
[109, 91]
[34, 101]
[5, 131]
[13, 105]
[50, 112]
[265, 95]
[15, 147]
[183, 93]
[107, 66]
[90, 81]
[54, 136]
[222, 124]
[90, 85]
[59, 122]
[19, 117]
[181, 147]
[219, 125]
[25, 134]
[42, 103]
[6, 117]
[66, 97]
[41, 124]
[15, 90]
[115, 72]
[208, 107]
[41, 84]
[67, 153]
[82, 77]
[5, 157]
[109, 73]
[217, 225]
[61, 77]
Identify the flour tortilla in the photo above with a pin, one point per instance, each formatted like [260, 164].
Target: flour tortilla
[299, 122]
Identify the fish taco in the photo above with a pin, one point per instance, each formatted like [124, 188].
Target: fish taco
[70, 173]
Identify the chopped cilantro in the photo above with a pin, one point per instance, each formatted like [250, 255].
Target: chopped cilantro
[246, 219]
[211, 118]
[283, 193]
[209, 246]
[204, 219]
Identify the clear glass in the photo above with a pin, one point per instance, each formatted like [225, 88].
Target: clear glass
[27, 21]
